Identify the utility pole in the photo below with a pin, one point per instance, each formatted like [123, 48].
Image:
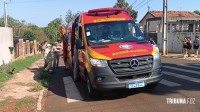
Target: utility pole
[5, 15]
[148, 20]
[164, 29]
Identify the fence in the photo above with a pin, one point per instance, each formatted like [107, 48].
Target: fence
[25, 48]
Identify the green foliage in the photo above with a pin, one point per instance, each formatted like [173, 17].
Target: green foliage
[70, 16]
[53, 30]
[6, 72]
[11, 22]
[197, 12]
[30, 35]
[37, 87]
[44, 78]
[128, 8]
[11, 48]
[21, 28]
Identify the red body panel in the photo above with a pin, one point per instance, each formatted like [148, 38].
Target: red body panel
[114, 51]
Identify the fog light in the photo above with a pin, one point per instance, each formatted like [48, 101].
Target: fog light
[99, 79]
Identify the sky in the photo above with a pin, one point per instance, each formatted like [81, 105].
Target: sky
[41, 12]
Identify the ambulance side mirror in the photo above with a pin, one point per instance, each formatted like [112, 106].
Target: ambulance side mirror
[79, 44]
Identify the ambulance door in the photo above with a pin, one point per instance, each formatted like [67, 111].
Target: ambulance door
[69, 55]
[81, 51]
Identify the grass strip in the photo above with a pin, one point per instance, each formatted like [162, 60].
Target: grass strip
[7, 71]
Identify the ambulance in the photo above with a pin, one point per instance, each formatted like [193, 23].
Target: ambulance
[106, 48]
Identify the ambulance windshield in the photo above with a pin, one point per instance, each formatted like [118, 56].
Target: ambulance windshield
[113, 32]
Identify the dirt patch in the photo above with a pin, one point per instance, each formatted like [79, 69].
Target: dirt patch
[27, 104]
[19, 88]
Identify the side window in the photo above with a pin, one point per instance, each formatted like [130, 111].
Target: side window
[132, 29]
[80, 33]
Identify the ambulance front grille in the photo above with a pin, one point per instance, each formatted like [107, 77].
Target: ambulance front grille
[123, 66]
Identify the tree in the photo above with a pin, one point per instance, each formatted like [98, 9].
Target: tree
[13, 23]
[70, 16]
[53, 30]
[128, 8]
[29, 35]
[25, 30]
[197, 12]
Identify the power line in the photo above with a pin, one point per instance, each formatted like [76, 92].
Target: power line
[144, 4]
[139, 3]
[134, 2]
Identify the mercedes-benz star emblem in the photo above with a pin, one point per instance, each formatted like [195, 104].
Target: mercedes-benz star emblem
[134, 63]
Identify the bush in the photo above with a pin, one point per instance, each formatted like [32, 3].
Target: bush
[44, 78]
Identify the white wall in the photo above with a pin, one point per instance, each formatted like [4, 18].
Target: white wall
[6, 40]
[174, 41]
[154, 26]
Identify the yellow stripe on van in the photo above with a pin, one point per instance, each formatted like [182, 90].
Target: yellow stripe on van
[96, 55]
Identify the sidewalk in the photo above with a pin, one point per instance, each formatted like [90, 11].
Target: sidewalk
[18, 94]
[180, 56]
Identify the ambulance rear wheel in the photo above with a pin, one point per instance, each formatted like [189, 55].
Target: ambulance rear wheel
[75, 65]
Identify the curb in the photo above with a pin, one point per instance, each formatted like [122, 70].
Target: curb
[187, 58]
[39, 102]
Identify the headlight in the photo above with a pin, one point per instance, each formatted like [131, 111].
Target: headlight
[156, 56]
[98, 63]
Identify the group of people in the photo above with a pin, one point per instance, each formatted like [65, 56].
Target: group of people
[188, 44]
[51, 56]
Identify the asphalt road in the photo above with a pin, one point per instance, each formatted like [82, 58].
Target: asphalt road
[179, 91]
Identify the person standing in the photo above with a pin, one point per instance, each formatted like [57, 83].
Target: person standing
[196, 46]
[44, 47]
[56, 55]
[189, 46]
[48, 58]
[185, 51]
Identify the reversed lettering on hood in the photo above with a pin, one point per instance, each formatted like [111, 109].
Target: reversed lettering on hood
[129, 51]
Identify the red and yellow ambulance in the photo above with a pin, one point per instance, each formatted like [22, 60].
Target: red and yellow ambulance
[106, 48]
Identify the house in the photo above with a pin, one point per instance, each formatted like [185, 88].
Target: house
[178, 21]
[180, 24]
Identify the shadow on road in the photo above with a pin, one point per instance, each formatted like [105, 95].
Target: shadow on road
[57, 86]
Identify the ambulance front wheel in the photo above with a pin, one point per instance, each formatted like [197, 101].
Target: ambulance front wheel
[93, 93]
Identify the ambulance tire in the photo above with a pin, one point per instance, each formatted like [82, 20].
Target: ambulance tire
[75, 76]
[93, 93]
[151, 86]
